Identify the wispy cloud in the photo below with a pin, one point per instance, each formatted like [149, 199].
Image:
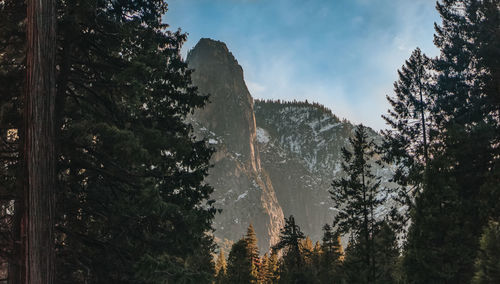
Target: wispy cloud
[343, 54]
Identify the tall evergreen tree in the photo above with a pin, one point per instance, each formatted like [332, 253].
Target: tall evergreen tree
[307, 248]
[263, 272]
[316, 256]
[244, 260]
[331, 257]
[290, 242]
[407, 144]
[355, 268]
[239, 269]
[488, 64]
[386, 254]
[488, 259]
[358, 191]
[131, 199]
[385, 258]
[39, 141]
[449, 214]
[253, 252]
[273, 268]
[221, 268]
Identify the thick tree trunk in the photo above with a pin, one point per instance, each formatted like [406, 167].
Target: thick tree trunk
[39, 152]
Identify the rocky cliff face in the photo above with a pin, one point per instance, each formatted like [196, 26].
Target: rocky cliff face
[300, 145]
[243, 189]
[273, 159]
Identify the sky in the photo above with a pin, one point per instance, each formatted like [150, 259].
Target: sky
[343, 54]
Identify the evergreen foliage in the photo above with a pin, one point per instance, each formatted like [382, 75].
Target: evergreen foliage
[253, 251]
[386, 254]
[221, 268]
[454, 204]
[358, 191]
[290, 242]
[244, 261]
[488, 260]
[331, 257]
[239, 268]
[131, 202]
[12, 82]
[273, 268]
[132, 206]
[383, 263]
[407, 144]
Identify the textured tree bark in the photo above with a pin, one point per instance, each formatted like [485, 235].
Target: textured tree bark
[39, 141]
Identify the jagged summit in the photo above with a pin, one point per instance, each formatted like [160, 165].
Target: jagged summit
[243, 189]
[213, 54]
[230, 111]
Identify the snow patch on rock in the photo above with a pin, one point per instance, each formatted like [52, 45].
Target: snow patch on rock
[243, 195]
[262, 135]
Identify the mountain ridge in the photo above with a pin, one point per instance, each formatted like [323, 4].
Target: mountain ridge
[273, 158]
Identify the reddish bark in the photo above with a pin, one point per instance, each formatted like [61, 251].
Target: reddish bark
[39, 141]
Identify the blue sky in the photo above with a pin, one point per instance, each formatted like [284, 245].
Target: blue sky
[341, 53]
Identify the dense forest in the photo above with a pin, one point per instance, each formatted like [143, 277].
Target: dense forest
[295, 103]
[102, 179]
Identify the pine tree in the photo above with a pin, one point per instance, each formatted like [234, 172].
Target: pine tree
[307, 248]
[264, 273]
[221, 268]
[487, 33]
[359, 194]
[407, 145]
[385, 258]
[273, 268]
[317, 254]
[253, 252]
[354, 267]
[131, 203]
[239, 269]
[244, 262]
[454, 206]
[309, 270]
[331, 256]
[488, 260]
[290, 242]
[386, 254]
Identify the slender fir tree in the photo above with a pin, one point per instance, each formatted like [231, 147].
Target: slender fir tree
[331, 257]
[358, 193]
[239, 269]
[386, 254]
[221, 268]
[253, 252]
[407, 144]
[290, 242]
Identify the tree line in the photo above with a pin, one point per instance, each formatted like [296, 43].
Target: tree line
[372, 254]
[444, 143]
[294, 103]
